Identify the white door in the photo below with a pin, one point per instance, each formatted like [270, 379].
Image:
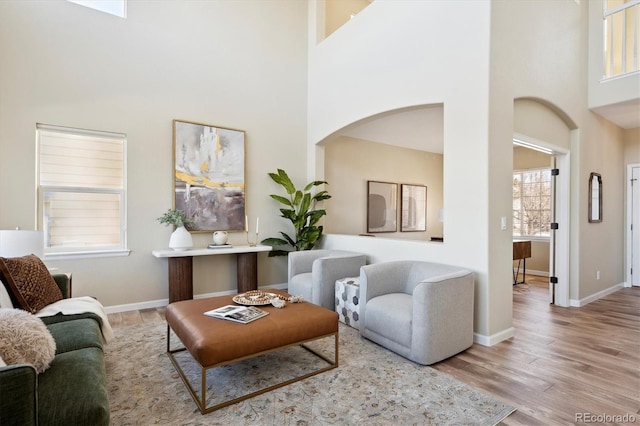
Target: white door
[552, 235]
[635, 226]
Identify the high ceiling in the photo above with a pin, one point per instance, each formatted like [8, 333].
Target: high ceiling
[418, 128]
[625, 114]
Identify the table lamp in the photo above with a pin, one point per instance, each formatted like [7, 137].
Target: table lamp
[18, 242]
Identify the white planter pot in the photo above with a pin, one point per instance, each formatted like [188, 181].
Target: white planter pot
[180, 239]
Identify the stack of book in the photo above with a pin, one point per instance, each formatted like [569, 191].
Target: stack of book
[215, 246]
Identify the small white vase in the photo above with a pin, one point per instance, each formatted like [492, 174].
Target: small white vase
[220, 237]
[180, 239]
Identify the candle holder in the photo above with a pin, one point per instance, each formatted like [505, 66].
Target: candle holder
[254, 243]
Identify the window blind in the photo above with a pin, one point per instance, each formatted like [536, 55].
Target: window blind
[81, 176]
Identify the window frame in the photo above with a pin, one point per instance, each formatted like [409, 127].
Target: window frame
[609, 41]
[72, 252]
[115, 8]
[532, 237]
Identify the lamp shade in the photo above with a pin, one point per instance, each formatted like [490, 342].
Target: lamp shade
[18, 242]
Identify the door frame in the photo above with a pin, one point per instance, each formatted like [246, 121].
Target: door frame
[562, 204]
[627, 225]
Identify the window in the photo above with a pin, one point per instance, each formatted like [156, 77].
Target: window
[81, 191]
[113, 7]
[531, 202]
[621, 28]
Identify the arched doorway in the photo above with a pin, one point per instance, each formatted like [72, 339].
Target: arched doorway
[542, 125]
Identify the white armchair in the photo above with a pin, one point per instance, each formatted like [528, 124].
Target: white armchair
[313, 273]
[420, 310]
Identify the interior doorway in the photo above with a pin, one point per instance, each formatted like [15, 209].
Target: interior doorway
[543, 172]
[633, 225]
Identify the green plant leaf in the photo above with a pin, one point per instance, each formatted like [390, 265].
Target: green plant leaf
[314, 183]
[274, 242]
[297, 198]
[288, 214]
[175, 217]
[285, 182]
[302, 214]
[315, 216]
[322, 195]
[306, 203]
[288, 238]
[282, 200]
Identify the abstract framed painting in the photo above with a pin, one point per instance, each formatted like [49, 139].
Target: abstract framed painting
[209, 181]
[413, 208]
[382, 206]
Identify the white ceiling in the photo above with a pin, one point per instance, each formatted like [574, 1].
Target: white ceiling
[625, 114]
[416, 128]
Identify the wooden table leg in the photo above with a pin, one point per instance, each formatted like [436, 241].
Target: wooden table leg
[247, 272]
[180, 278]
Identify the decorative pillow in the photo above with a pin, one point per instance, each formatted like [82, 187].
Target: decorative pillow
[30, 282]
[24, 339]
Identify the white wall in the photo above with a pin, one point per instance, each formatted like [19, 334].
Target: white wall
[243, 65]
[554, 37]
[611, 91]
[632, 146]
[395, 54]
[231, 64]
[350, 163]
[406, 53]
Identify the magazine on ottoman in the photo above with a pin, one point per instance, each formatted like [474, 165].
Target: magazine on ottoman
[242, 314]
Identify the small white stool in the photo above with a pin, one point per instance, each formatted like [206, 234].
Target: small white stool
[348, 301]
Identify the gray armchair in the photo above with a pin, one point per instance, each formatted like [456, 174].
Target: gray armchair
[420, 310]
[313, 273]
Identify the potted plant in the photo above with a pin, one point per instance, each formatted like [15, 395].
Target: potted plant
[300, 210]
[180, 238]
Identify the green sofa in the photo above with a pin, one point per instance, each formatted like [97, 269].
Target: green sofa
[73, 390]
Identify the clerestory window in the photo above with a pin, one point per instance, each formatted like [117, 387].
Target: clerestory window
[112, 7]
[621, 30]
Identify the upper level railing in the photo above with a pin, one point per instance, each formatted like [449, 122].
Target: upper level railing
[621, 31]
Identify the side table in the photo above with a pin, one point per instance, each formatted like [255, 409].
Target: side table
[181, 268]
[348, 301]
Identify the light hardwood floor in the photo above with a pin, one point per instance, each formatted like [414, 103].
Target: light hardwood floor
[561, 362]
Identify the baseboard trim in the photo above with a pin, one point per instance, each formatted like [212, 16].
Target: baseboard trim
[578, 303]
[152, 304]
[494, 339]
[534, 272]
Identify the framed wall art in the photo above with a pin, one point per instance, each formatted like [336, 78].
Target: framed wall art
[209, 182]
[382, 202]
[413, 208]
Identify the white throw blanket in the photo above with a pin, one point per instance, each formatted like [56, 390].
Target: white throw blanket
[80, 305]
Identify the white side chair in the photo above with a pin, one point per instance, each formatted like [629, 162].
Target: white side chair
[420, 310]
[313, 273]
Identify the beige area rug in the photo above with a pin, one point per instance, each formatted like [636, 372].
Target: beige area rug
[372, 386]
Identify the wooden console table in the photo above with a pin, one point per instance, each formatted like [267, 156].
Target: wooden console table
[521, 251]
[181, 268]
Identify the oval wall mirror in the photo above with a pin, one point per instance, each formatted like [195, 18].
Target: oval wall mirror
[595, 198]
